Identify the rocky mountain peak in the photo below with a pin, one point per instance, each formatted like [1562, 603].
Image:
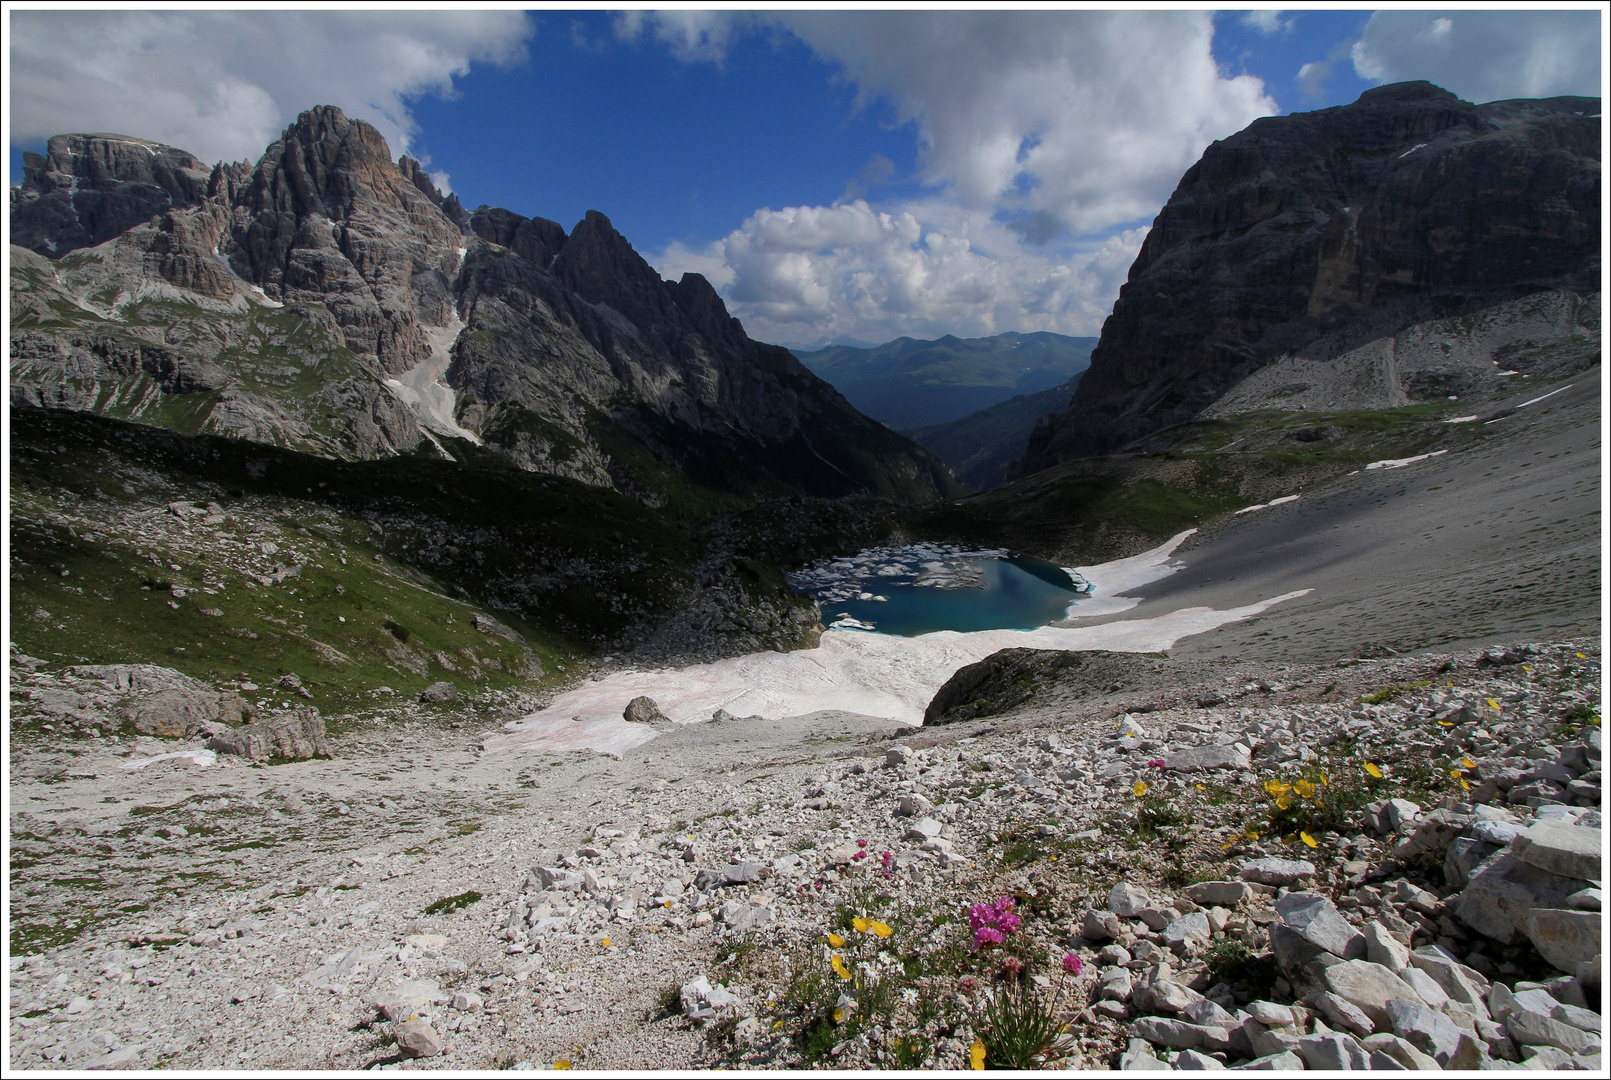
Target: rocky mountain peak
[87, 188]
[600, 266]
[1312, 234]
[537, 240]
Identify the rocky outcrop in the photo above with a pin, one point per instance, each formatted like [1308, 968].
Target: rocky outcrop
[332, 300]
[296, 735]
[1315, 234]
[86, 189]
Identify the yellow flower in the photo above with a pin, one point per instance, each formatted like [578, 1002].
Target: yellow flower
[1289, 837]
[861, 924]
[1492, 704]
[1307, 839]
[1446, 723]
[1468, 763]
[1283, 802]
[839, 968]
[1226, 847]
[1527, 667]
[976, 1054]
[1139, 790]
[1052, 857]
[1463, 785]
[1252, 834]
[1580, 656]
[836, 941]
[1374, 770]
[838, 1016]
[605, 943]
[1455, 773]
[1324, 779]
[776, 1024]
[1305, 789]
[881, 929]
[1201, 788]
[561, 1064]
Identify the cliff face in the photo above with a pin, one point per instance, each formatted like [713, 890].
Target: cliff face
[330, 299]
[1312, 234]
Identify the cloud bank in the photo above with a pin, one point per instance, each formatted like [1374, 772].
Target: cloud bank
[1485, 55]
[224, 84]
[1047, 140]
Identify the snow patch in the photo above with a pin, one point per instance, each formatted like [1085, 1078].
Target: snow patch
[201, 758]
[1399, 463]
[421, 389]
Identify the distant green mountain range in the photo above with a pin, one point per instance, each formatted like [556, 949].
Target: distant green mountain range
[907, 383]
[980, 446]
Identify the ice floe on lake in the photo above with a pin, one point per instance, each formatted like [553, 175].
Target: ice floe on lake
[853, 671]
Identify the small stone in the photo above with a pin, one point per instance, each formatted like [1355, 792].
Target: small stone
[1340, 1014]
[1138, 1057]
[1175, 1034]
[1398, 812]
[464, 1001]
[1401, 1050]
[1100, 926]
[923, 828]
[1277, 872]
[1531, 1029]
[913, 806]
[1188, 929]
[1314, 918]
[1196, 758]
[1218, 893]
[1270, 1014]
[1115, 984]
[1286, 1061]
[1334, 1051]
[1383, 948]
[1113, 955]
[1584, 900]
[1127, 901]
[403, 1001]
[897, 755]
[1193, 1060]
[417, 1039]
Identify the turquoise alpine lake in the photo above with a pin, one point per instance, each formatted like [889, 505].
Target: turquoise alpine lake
[921, 589]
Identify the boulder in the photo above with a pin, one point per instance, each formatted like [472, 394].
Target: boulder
[1571, 851]
[288, 736]
[1383, 948]
[438, 692]
[1196, 758]
[1100, 926]
[1340, 1014]
[1529, 1028]
[417, 1039]
[1568, 939]
[1369, 987]
[1434, 1034]
[701, 1001]
[401, 1002]
[1333, 1052]
[643, 710]
[1503, 892]
[174, 713]
[1286, 1061]
[1401, 1050]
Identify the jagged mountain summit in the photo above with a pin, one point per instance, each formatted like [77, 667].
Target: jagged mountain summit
[1315, 238]
[332, 300]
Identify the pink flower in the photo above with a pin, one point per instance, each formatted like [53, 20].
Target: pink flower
[987, 935]
[1155, 764]
[889, 873]
[1071, 964]
[858, 857]
[1012, 966]
[861, 843]
[967, 984]
[888, 857]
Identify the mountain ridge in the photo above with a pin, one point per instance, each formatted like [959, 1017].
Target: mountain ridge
[1314, 234]
[329, 299]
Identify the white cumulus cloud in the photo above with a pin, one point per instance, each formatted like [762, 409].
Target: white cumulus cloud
[1046, 138]
[223, 84]
[810, 274]
[1485, 55]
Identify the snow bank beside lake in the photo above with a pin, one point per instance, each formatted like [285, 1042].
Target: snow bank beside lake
[854, 671]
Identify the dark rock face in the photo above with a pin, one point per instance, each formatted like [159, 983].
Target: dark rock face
[331, 299]
[1315, 233]
[87, 189]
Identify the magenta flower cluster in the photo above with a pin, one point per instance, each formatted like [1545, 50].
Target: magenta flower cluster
[993, 922]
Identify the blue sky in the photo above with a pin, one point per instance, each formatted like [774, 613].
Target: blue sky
[839, 175]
